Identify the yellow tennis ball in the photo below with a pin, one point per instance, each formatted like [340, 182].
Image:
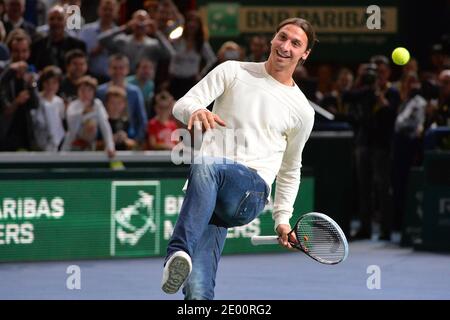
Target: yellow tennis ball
[400, 56]
[116, 165]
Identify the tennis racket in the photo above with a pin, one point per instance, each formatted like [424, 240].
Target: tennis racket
[319, 236]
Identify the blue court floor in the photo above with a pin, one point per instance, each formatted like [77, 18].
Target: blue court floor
[403, 274]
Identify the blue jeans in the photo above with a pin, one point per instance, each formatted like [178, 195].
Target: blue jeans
[219, 196]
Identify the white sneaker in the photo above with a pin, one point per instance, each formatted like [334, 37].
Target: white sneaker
[176, 271]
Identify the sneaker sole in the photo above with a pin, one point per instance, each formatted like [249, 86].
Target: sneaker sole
[178, 272]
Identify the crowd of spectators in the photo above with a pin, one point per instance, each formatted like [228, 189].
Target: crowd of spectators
[110, 84]
[392, 118]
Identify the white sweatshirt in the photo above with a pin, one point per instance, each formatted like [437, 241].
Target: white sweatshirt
[48, 123]
[276, 120]
[76, 118]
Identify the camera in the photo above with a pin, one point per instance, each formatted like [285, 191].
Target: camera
[369, 74]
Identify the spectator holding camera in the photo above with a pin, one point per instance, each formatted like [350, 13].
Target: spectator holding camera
[138, 44]
[167, 17]
[385, 109]
[18, 95]
[373, 108]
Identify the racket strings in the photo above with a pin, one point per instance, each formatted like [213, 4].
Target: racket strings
[320, 239]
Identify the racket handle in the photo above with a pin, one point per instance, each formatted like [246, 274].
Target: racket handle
[262, 240]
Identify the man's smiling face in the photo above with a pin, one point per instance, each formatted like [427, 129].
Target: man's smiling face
[289, 46]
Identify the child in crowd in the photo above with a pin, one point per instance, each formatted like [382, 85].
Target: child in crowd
[85, 116]
[49, 116]
[161, 126]
[116, 106]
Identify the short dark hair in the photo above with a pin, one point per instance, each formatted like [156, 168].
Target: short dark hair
[74, 54]
[306, 27]
[119, 57]
[142, 60]
[50, 72]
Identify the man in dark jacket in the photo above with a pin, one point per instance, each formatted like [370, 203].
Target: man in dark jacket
[18, 95]
[52, 48]
[13, 18]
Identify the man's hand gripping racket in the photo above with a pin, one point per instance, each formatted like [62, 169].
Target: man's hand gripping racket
[319, 236]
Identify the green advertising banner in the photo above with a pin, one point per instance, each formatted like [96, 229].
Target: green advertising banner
[373, 27]
[104, 218]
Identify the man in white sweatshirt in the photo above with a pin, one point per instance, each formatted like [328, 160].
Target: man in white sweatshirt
[261, 102]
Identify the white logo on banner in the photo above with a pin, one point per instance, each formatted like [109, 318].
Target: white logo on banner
[143, 210]
[135, 217]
